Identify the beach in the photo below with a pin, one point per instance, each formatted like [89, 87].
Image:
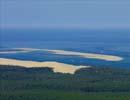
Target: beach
[87, 55]
[84, 55]
[57, 66]
[70, 53]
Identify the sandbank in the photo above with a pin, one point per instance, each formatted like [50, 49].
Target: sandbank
[70, 53]
[86, 55]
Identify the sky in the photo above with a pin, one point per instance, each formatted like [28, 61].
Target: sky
[65, 14]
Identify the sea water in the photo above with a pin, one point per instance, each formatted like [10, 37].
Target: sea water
[106, 41]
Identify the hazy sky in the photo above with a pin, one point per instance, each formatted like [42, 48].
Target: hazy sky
[65, 13]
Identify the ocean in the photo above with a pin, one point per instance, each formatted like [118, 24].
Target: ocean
[100, 41]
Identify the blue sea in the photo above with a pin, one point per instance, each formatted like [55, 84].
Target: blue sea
[102, 41]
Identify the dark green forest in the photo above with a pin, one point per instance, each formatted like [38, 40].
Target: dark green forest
[95, 83]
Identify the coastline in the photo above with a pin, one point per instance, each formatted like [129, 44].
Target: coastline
[86, 55]
[70, 53]
[57, 66]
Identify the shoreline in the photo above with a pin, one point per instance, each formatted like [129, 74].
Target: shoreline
[70, 53]
[80, 54]
[86, 55]
[57, 66]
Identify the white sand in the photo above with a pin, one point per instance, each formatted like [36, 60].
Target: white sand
[57, 67]
[17, 50]
[86, 55]
[70, 53]
[6, 52]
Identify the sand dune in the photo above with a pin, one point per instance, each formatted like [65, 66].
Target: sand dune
[57, 67]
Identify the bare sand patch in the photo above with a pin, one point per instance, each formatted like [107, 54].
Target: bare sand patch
[70, 53]
[7, 52]
[57, 67]
[86, 55]
[16, 50]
